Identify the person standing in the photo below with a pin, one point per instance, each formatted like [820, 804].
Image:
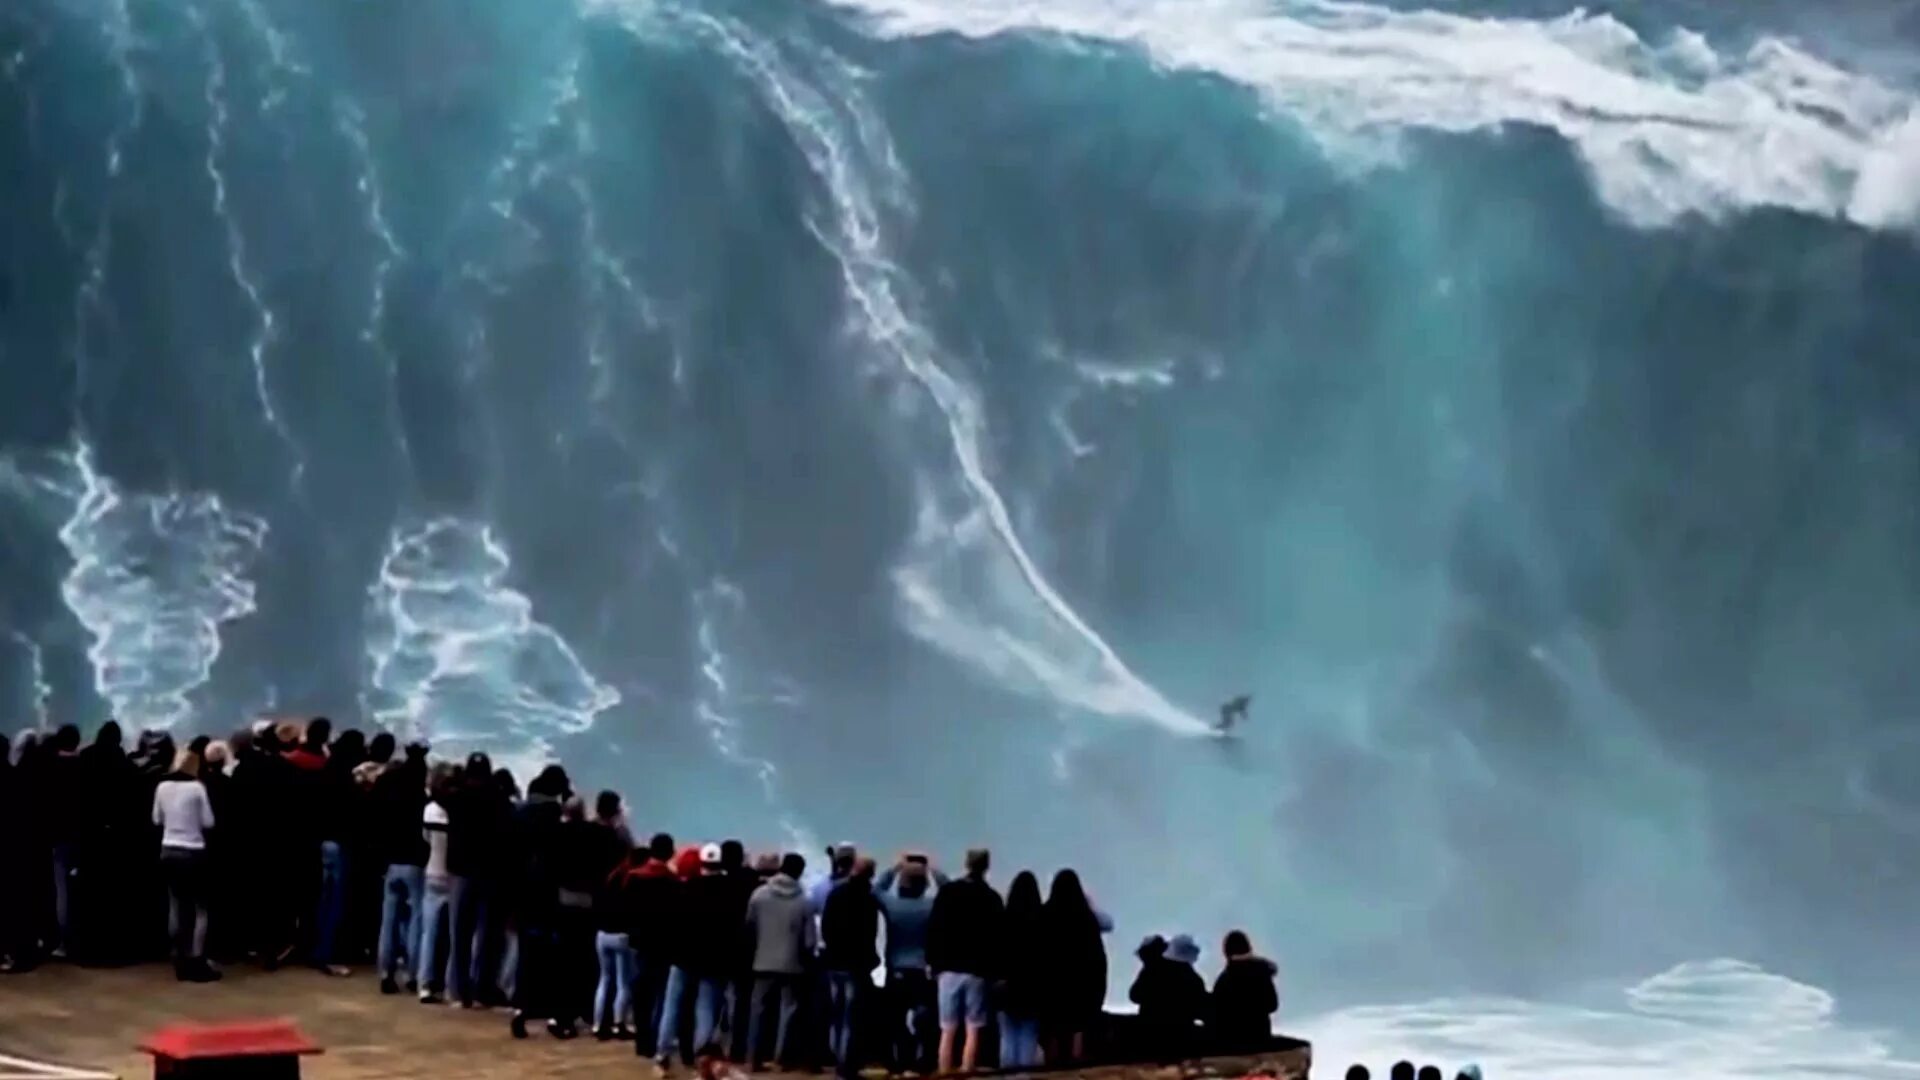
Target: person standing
[539, 854]
[1244, 1000]
[906, 900]
[184, 814]
[962, 938]
[782, 934]
[850, 934]
[1076, 965]
[436, 892]
[613, 998]
[476, 837]
[399, 840]
[708, 928]
[649, 895]
[1023, 979]
[1171, 995]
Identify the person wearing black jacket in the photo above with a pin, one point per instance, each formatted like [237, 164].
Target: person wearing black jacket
[333, 796]
[589, 851]
[741, 882]
[1172, 997]
[849, 939]
[476, 836]
[399, 798]
[962, 935]
[1244, 1000]
[537, 849]
[706, 937]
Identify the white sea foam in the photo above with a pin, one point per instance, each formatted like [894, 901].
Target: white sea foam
[1666, 127]
[455, 653]
[350, 120]
[1706, 1020]
[265, 322]
[154, 580]
[718, 606]
[41, 690]
[1147, 376]
[967, 583]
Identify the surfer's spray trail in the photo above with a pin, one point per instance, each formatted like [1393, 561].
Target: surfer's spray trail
[911, 419]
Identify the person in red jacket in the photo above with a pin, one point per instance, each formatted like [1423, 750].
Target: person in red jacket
[647, 899]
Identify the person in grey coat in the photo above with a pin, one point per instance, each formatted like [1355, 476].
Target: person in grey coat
[782, 937]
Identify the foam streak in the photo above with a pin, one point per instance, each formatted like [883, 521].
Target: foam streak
[856, 240]
[37, 675]
[265, 333]
[351, 122]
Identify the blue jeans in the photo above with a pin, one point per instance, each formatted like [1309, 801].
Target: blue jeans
[844, 992]
[649, 998]
[470, 971]
[1019, 1042]
[436, 901]
[62, 896]
[333, 900]
[400, 918]
[616, 980]
[766, 986]
[710, 1002]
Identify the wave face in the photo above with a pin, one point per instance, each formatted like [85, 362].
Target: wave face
[908, 419]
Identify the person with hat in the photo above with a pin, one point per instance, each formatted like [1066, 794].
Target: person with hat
[707, 916]
[1172, 997]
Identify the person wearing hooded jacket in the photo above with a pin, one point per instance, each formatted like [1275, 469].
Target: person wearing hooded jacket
[782, 936]
[537, 876]
[1244, 1000]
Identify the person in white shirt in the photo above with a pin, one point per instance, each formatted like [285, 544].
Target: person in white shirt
[184, 814]
[436, 919]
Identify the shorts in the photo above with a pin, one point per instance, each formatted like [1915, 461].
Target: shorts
[963, 1000]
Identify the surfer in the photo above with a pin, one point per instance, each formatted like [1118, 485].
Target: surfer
[1233, 712]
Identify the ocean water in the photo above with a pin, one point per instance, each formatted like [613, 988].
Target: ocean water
[909, 419]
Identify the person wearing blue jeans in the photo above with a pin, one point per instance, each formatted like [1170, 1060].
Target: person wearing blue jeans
[401, 917]
[706, 934]
[709, 993]
[615, 989]
[436, 925]
[401, 840]
[436, 896]
[849, 935]
[1019, 1041]
[332, 906]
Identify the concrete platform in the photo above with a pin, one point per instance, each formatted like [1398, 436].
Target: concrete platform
[78, 1019]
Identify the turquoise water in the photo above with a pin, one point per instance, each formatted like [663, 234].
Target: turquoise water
[908, 420]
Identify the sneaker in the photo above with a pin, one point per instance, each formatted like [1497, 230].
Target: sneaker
[562, 1030]
[603, 1033]
[388, 986]
[431, 997]
[518, 1026]
[338, 971]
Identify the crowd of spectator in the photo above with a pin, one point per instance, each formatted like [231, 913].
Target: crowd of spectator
[288, 844]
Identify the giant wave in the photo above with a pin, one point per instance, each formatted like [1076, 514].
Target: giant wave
[906, 419]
